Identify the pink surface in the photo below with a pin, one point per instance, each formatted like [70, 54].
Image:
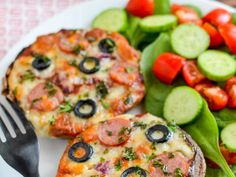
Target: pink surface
[18, 17]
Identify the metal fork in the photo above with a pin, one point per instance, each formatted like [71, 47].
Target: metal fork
[21, 152]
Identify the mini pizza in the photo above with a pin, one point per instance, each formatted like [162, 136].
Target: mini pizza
[69, 80]
[129, 145]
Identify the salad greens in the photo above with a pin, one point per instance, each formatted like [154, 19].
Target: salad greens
[204, 130]
[218, 172]
[225, 117]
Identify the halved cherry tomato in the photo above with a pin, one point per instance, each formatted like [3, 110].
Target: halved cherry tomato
[191, 74]
[216, 97]
[230, 157]
[230, 88]
[140, 8]
[218, 17]
[167, 66]
[228, 32]
[216, 38]
[185, 14]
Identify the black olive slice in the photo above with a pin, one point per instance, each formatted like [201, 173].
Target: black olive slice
[85, 108]
[134, 170]
[87, 149]
[107, 45]
[41, 62]
[89, 65]
[158, 128]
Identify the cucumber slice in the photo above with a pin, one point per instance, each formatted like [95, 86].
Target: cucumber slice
[189, 40]
[158, 23]
[228, 136]
[216, 65]
[182, 105]
[112, 20]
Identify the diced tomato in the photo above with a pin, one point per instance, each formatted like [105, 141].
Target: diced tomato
[216, 97]
[191, 74]
[216, 38]
[228, 32]
[218, 17]
[230, 157]
[167, 66]
[230, 88]
[140, 8]
[185, 14]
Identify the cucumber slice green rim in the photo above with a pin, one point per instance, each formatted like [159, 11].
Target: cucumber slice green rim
[189, 40]
[182, 105]
[228, 136]
[112, 20]
[158, 23]
[216, 65]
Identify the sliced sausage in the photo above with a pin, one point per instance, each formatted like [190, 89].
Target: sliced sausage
[64, 126]
[44, 44]
[43, 99]
[114, 132]
[71, 41]
[169, 164]
[124, 73]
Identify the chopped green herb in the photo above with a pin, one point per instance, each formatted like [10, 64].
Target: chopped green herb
[128, 100]
[120, 140]
[52, 120]
[118, 165]
[109, 133]
[102, 159]
[172, 126]
[14, 92]
[129, 69]
[124, 131]
[51, 89]
[151, 157]
[157, 164]
[105, 151]
[35, 100]
[73, 63]
[28, 75]
[153, 146]
[139, 172]
[77, 49]
[105, 105]
[66, 107]
[141, 125]
[101, 90]
[178, 173]
[171, 155]
[86, 94]
[129, 154]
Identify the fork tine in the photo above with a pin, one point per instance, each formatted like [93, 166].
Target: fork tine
[4, 129]
[18, 111]
[10, 118]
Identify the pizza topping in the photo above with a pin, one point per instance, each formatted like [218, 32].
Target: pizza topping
[158, 134]
[28, 75]
[114, 132]
[45, 97]
[107, 45]
[66, 107]
[85, 108]
[94, 34]
[89, 65]
[44, 44]
[140, 124]
[41, 62]
[101, 90]
[80, 152]
[120, 74]
[103, 166]
[134, 170]
[71, 41]
[174, 165]
[129, 154]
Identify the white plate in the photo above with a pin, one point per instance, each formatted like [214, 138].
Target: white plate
[77, 16]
